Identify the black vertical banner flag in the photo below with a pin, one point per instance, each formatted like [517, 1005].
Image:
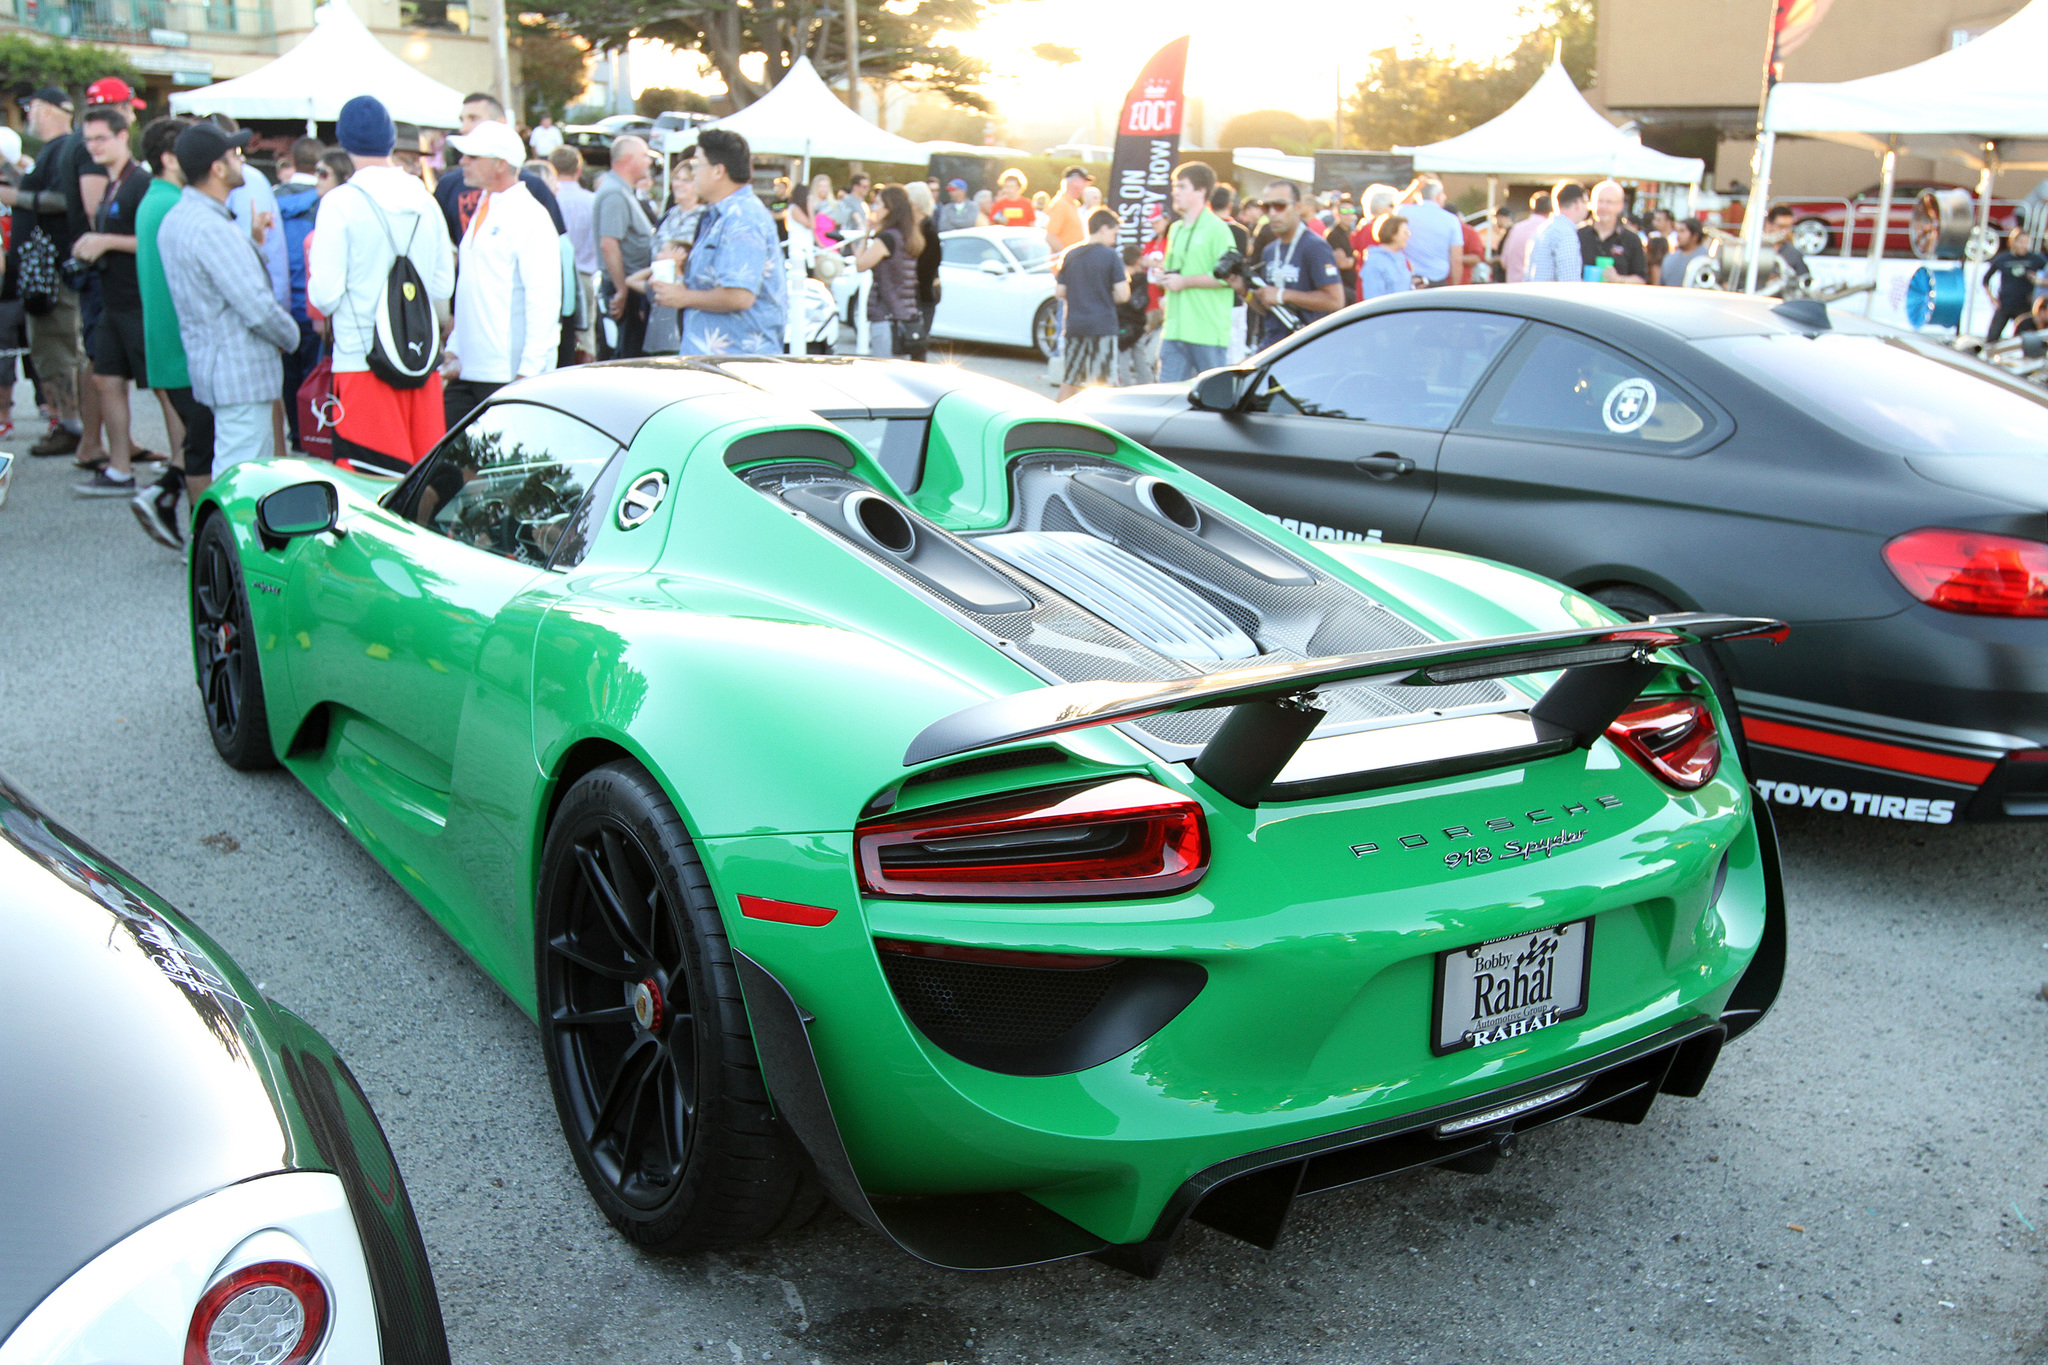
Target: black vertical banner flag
[1148, 144]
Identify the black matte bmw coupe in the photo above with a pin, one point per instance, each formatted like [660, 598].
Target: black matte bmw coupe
[1674, 449]
[187, 1171]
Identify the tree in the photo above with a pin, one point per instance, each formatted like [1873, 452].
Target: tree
[32, 62]
[660, 99]
[1290, 133]
[553, 69]
[899, 41]
[1426, 96]
[931, 118]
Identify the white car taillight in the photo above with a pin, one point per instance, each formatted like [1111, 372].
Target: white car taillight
[270, 1313]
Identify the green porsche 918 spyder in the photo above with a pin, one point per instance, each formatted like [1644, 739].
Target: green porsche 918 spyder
[880, 785]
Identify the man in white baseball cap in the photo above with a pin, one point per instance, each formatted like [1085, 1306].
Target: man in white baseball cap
[508, 283]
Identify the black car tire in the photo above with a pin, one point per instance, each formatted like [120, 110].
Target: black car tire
[1639, 604]
[1045, 328]
[707, 1164]
[223, 650]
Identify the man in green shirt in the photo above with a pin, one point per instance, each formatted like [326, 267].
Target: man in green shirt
[1196, 336]
[164, 352]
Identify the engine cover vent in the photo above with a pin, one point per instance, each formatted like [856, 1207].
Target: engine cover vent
[1125, 591]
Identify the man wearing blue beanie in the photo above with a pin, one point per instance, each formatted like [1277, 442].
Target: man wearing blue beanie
[365, 128]
[382, 211]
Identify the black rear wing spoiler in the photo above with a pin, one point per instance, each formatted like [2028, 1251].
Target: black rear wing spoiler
[1273, 710]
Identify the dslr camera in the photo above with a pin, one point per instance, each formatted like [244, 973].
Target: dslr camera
[1234, 264]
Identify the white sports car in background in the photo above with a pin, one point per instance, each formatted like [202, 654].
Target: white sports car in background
[995, 285]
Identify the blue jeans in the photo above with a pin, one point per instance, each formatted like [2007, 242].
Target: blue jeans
[1180, 360]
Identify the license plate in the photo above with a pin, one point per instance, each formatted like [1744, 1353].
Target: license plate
[1492, 992]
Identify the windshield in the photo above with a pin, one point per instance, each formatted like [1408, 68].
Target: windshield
[1898, 393]
[1033, 253]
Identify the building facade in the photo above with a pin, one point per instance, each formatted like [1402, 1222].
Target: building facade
[182, 44]
[1691, 76]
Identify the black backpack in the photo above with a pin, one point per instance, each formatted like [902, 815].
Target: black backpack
[406, 346]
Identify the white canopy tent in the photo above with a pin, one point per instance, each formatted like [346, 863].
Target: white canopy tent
[801, 117]
[1980, 103]
[1276, 163]
[1549, 133]
[336, 61]
[941, 147]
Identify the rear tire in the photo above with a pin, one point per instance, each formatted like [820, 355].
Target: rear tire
[1639, 604]
[224, 652]
[645, 1032]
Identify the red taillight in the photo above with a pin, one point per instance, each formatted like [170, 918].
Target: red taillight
[1972, 572]
[1128, 837]
[1673, 737]
[271, 1313]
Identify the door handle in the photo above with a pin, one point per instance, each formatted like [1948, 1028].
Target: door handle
[1385, 465]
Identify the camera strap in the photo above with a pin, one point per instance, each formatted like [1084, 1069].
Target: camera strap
[104, 212]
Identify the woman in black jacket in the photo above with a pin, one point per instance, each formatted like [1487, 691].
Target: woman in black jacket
[920, 195]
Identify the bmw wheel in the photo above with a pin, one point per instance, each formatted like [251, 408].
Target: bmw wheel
[1811, 236]
[224, 652]
[648, 1050]
[1639, 604]
[1045, 328]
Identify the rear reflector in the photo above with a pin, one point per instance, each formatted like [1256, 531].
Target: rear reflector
[1127, 837]
[785, 912]
[995, 957]
[1972, 572]
[271, 1313]
[1673, 737]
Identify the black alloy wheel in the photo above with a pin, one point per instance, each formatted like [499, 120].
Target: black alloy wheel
[648, 1051]
[1639, 604]
[224, 652]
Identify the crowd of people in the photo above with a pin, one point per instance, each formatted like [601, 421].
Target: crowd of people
[363, 302]
[367, 300]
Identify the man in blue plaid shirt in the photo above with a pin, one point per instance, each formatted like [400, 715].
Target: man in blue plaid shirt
[235, 331]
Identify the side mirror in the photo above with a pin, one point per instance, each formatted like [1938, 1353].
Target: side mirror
[303, 509]
[993, 267]
[1220, 390]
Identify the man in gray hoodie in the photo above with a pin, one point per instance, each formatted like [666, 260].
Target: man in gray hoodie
[234, 330]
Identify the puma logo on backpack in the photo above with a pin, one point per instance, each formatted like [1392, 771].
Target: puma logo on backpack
[405, 343]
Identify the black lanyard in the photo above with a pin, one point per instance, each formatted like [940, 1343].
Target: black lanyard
[113, 192]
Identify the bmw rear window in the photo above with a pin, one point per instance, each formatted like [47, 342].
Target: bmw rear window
[1898, 393]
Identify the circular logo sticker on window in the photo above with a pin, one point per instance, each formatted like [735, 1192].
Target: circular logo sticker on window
[1629, 405]
[641, 499]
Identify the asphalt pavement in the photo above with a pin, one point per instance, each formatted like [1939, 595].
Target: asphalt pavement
[1864, 1178]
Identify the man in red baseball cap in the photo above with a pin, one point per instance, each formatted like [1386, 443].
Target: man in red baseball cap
[113, 90]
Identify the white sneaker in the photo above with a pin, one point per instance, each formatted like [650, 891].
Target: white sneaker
[6, 475]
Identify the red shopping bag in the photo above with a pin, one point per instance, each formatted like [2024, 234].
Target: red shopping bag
[319, 410]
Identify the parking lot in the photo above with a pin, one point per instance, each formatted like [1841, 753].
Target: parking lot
[1864, 1177]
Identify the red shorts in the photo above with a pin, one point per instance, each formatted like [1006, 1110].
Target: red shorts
[399, 425]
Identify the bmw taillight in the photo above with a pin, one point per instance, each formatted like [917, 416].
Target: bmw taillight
[1673, 737]
[1972, 572]
[270, 1313]
[1126, 837]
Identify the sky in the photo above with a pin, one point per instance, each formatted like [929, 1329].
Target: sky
[1274, 54]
